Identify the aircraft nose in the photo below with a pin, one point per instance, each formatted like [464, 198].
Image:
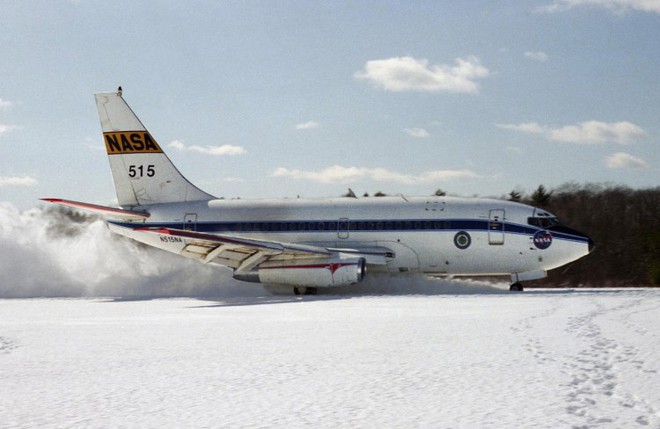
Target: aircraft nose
[592, 245]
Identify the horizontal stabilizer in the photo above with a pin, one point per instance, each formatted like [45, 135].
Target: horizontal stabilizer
[111, 212]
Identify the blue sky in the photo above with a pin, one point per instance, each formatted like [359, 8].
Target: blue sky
[283, 98]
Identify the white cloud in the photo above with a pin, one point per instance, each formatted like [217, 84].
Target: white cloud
[409, 74]
[419, 133]
[527, 127]
[616, 6]
[590, 132]
[4, 128]
[339, 174]
[598, 132]
[625, 160]
[307, 125]
[208, 150]
[538, 56]
[5, 104]
[6, 181]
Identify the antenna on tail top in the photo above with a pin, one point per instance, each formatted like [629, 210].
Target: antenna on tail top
[119, 91]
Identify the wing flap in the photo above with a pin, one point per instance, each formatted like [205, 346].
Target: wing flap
[238, 242]
[244, 254]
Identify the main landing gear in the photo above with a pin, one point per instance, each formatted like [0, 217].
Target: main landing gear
[516, 287]
[304, 290]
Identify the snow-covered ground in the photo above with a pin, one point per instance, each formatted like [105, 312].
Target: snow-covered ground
[549, 359]
[396, 353]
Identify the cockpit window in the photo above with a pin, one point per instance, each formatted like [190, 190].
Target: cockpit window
[543, 222]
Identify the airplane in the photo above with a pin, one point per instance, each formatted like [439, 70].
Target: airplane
[306, 244]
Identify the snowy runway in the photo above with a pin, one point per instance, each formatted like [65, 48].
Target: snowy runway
[537, 359]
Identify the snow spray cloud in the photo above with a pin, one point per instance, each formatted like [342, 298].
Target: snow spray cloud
[53, 252]
[417, 284]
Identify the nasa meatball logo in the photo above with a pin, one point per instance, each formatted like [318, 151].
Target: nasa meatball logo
[542, 239]
[462, 240]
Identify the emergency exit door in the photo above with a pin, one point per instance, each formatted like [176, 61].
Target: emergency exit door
[190, 222]
[342, 228]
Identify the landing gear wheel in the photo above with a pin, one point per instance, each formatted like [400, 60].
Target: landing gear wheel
[516, 287]
[304, 290]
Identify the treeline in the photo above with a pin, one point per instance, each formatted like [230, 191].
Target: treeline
[624, 223]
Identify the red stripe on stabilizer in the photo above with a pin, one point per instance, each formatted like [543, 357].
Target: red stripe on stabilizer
[95, 207]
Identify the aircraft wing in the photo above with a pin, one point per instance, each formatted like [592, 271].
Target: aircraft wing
[110, 212]
[243, 254]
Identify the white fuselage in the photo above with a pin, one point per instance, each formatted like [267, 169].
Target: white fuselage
[435, 235]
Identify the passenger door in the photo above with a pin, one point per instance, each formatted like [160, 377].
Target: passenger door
[496, 227]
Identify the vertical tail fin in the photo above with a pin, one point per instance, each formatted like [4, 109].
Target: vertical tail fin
[142, 173]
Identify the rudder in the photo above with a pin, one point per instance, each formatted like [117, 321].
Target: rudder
[142, 172]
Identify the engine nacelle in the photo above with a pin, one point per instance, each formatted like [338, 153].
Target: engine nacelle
[336, 271]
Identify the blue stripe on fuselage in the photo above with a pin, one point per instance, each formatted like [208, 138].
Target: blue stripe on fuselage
[355, 226]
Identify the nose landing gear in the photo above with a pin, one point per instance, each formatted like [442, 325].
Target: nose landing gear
[517, 278]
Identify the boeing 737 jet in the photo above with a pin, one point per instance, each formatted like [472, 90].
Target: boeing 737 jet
[307, 244]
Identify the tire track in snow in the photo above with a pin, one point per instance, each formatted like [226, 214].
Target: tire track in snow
[533, 343]
[634, 358]
[596, 394]
[7, 345]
